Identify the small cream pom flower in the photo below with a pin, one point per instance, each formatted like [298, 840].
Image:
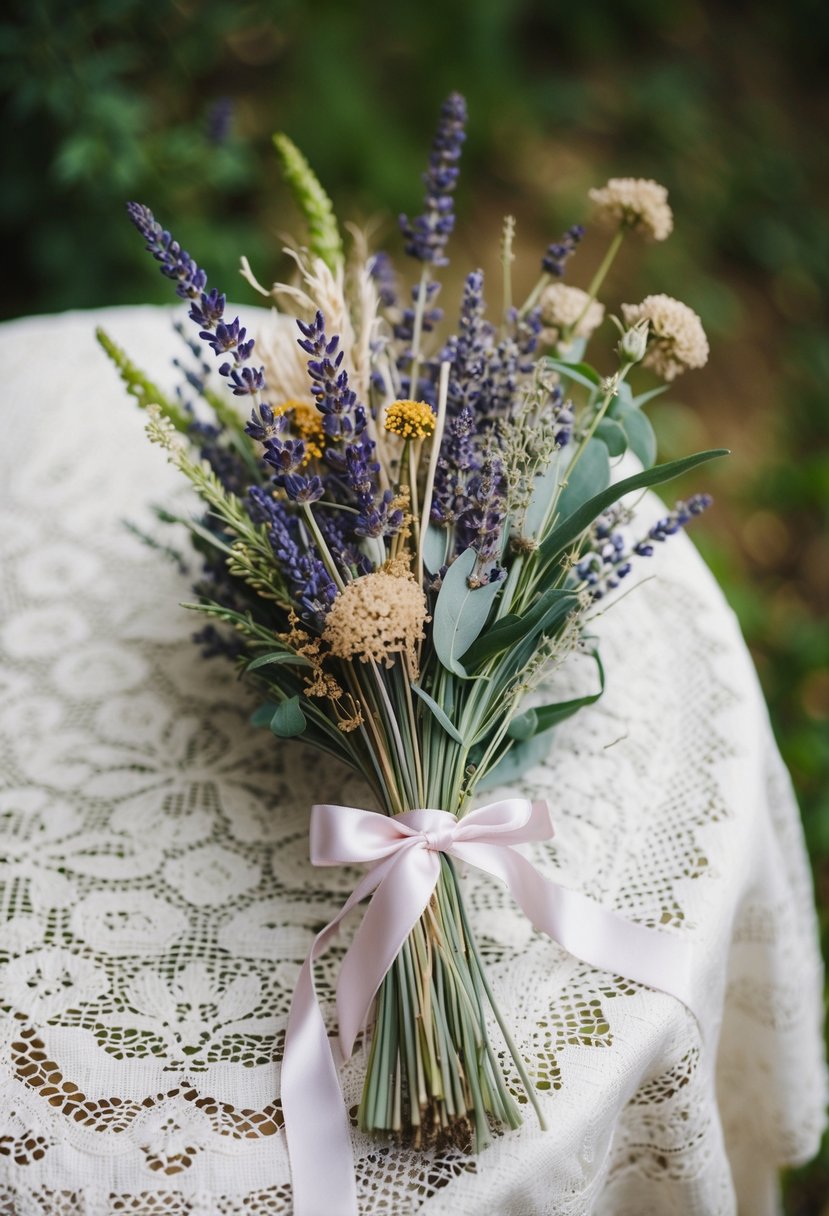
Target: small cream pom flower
[562, 306]
[377, 617]
[676, 340]
[636, 202]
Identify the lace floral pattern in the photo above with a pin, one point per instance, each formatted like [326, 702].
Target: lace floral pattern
[157, 897]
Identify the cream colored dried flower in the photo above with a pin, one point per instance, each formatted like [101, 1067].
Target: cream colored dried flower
[636, 202]
[676, 339]
[562, 307]
[377, 617]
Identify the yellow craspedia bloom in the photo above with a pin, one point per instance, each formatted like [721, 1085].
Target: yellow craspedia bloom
[410, 419]
[306, 422]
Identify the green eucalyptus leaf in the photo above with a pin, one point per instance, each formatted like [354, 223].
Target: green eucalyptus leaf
[278, 656]
[435, 545]
[262, 716]
[288, 721]
[460, 612]
[542, 718]
[548, 611]
[440, 715]
[545, 487]
[640, 436]
[516, 761]
[582, 373]
[612, 436]
[644, 398]
[573, 525]
[589, 477]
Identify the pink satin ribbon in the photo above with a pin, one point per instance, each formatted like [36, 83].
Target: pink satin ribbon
[404, 854]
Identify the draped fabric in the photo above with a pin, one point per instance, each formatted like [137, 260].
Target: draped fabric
[157, 898]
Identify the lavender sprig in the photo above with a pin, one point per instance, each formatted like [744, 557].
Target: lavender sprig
[176, 263]
[559, 252]
[609, 559]
[426, 236]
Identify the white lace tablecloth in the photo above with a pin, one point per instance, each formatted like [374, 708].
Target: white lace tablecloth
[157, 895]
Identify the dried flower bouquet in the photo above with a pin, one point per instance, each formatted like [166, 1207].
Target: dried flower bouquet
[406, 534]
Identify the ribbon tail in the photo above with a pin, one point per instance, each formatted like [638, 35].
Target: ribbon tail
[592, 933]
[314, 1114]
[398, 902]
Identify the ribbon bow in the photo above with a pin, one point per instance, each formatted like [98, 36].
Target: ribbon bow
[404, 853]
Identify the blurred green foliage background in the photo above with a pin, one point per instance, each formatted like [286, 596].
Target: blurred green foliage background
[105, 100]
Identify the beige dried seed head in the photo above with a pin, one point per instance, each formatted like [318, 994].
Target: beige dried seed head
[638, 203]
[676, 339]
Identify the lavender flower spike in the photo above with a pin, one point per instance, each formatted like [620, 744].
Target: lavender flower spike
[427, 235]
[176, 262]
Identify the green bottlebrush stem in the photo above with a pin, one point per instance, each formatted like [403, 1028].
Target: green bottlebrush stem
[139, 386]
[313, 202]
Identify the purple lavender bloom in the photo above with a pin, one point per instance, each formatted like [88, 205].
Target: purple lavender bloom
[381, 270]
[303, 489]
[507, 363]
[264, 424]
[303, 568]
[343, 416]
[426, 236]
[455, 462]
[285, 456]
[225, 337]
[176, 262]
[469, 350]
[224, 462]
[555, 259]
[608, 559]
[481, 524]
[209, 310]
[245, 383]
[219, 119]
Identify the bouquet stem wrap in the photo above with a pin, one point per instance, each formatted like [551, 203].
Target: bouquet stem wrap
[404, 853]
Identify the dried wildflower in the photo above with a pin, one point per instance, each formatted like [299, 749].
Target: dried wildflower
[306, 421]
[377, 617]
[563, 307]
[427, 235]
[637, 203]
[410, 419]
[676, 340]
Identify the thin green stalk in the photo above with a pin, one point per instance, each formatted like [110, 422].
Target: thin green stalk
[437, 439]
[507, 258]
[325, 554]
[417, 329]
[408, 1036]
[595, 285]
[532, 298]
[508, 1039]
[387, 709]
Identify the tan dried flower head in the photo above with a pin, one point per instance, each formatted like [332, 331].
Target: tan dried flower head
[563, 306]
[636, 202]
[377, 617]
[676, 340]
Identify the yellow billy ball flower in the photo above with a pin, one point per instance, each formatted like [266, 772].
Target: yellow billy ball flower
[410, 419]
